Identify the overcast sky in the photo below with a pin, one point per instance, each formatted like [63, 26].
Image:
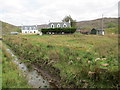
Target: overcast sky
[28, 12]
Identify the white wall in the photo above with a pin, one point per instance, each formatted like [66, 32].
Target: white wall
[29, 31]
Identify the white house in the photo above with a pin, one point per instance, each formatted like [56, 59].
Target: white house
[59, 24]
[30, 29]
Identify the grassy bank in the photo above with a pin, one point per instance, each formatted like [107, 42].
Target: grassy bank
[12, 77]
[72, 60]
[0, 64]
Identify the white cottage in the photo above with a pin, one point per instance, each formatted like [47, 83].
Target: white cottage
[59, 24]
[30, 29]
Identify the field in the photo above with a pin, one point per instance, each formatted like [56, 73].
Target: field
[71, 60]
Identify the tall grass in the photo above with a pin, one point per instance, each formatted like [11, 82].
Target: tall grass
[0, 65]
[76, 60]
[12, 77]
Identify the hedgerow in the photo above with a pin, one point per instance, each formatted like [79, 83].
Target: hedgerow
[59, 30]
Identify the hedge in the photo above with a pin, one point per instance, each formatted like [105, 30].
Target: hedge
[59, 30]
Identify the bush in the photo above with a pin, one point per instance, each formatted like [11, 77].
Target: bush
[59, 30]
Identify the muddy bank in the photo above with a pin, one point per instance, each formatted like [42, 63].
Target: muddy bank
[34, 78]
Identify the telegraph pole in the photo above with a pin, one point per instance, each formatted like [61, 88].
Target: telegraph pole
[102, 22]
[102, 26]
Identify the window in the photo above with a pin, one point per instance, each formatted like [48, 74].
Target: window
[34, 28]
[52, 25]
[58, 25]
[64, 25]
[25, 31]
[34, 32]
[26, 28]
[30, 28]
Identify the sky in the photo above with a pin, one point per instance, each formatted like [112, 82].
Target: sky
[32, 12]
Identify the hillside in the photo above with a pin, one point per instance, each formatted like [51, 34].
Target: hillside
[7, 28]
[109, 24]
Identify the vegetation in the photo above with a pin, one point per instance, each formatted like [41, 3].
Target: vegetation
[0, 65]
[72, 22]
[59, 30]
[113, 30]
[110, 25]
[71, 60]
[7, 28]
[12, 77]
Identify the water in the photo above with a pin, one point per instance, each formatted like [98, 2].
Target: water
[34, 79]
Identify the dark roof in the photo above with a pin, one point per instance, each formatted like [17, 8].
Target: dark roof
[42, 26]
[29, 27]
[61, 24]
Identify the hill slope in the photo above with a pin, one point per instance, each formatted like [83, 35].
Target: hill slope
[110, 25]
[107, 23]
[7, 28]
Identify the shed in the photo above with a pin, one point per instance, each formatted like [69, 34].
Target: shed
[97, 31]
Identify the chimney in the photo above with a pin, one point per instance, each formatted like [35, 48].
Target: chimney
[69, 21]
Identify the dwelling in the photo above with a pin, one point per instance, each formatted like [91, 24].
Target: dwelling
[97, 31]
[30, 29]
[59, 24]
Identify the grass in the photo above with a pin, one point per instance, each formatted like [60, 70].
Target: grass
[0, 65]
[12, 77]
[79, 60]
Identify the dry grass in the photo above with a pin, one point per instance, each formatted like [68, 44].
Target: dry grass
[74, 57]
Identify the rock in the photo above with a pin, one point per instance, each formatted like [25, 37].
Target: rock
[97, 59]
[88, 62]
[103, 58]
[70, 62]
[85, 85]
[78, 58]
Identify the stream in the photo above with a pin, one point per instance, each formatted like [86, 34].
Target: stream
[33, 77]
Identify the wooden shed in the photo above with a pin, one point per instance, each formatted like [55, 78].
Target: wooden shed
[97, 31]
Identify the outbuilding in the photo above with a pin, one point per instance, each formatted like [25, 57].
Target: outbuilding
[97, 31]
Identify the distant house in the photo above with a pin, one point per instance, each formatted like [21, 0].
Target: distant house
[59, 24]
[30, 29]
[97, 31]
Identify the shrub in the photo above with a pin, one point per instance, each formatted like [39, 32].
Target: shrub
[59, 30]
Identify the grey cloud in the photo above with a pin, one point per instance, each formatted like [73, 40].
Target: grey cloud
[41, 11]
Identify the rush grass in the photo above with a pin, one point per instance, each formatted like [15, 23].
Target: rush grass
[12, 77]
[0, 65]
[76, 60]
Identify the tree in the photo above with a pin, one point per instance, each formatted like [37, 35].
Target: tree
[67, 19]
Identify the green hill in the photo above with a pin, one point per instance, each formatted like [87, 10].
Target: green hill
[7, 28]
[109, 24]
